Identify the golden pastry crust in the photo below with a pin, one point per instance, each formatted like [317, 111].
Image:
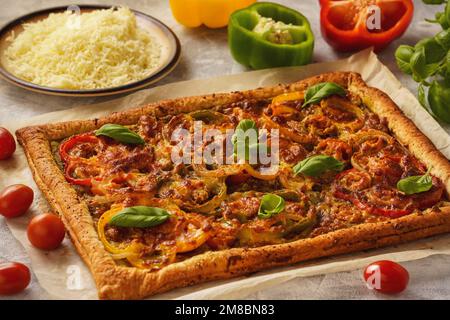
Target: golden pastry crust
[119, 282]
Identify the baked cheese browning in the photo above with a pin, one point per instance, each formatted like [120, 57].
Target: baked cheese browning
[216, 206]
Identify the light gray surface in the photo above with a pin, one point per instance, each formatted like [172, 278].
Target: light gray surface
[205, 54]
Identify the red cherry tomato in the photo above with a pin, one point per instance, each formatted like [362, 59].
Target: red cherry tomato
[15, 200]
[14, 277]
[7, 144]
[46, 231]
[386, 276]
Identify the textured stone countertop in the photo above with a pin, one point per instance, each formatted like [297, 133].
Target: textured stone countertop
[205, 54]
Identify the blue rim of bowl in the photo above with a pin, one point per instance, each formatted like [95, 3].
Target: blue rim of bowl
[164, 70]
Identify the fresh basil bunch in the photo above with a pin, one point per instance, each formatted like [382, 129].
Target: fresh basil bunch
[428, 62]
[320, 91]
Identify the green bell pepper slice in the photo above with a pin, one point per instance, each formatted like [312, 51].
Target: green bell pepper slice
[267, 35]
[439, 100]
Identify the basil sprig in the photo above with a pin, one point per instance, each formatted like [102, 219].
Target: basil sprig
[415, 184]
[139, 217]
[322, 90]
[271, 204]
[428, 62]
[120, 134]
[316, 165]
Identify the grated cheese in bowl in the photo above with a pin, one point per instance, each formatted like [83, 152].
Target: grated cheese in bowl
[98, 49]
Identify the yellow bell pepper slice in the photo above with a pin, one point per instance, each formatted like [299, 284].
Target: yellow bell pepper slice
[211, 13]
[193, 237]
[259, 175]
[132, 251]
[101, 225]
[289, 96]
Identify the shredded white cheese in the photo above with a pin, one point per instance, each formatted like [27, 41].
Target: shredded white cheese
[99, 49]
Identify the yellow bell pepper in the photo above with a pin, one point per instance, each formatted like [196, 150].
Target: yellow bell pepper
[212, 13]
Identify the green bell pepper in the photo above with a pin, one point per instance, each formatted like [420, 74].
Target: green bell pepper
[267, 35]
[439, 100]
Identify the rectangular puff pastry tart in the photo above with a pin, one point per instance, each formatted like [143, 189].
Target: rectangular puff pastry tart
[353, 173]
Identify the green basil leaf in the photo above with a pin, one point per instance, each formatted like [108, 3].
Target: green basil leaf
[438, 97]
[415, 184]
[139, 217]
[120, 134]
[322, 90]
[447, 64]
[441, 17]
[443, 38]
[271, 204]
[245, 125]
[418, 65]
[255, 148]
[422, 96]
[433, 51]
[432, 68]
[403, 56]
[251, 148]
[316, 165]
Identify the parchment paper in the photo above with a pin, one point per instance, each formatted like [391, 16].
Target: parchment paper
[62, 272]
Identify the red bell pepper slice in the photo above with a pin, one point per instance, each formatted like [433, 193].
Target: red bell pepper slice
[70, 168]
[352, 197]
[87, 181]
[344, 22]
[70, 143]
[391, 213]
